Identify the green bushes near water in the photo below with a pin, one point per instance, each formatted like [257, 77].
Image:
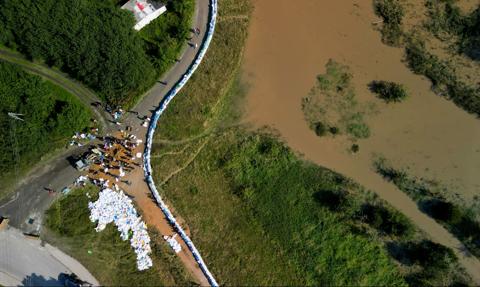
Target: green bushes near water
[95, 43]
[446, 20]
[454, 217]
[436, 261]
[51, 116]
[392, 13]
[443, 77]
[388, 91]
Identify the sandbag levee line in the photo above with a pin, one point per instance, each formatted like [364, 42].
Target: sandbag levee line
[151, 130]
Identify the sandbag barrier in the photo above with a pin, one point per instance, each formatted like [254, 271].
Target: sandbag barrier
[151, 130]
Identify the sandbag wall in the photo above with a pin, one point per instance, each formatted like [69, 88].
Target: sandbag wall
[151, 130]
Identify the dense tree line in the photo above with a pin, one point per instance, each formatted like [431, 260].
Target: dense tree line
[51, 115]
[94, 42]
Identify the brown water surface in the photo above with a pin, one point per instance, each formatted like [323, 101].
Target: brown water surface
[289, 44]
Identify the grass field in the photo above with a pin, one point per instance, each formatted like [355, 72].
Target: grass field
[111, 260]
[257, 213]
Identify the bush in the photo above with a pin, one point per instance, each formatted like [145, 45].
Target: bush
[434, 260]
[392, 13]
[320, 129]
[331, 199]
[443, 77]
[388, 91]
[384, 220]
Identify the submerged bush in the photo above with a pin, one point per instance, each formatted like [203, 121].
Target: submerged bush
[388, 91]
[392, 13]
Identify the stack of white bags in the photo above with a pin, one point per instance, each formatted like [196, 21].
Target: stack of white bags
[116, 207]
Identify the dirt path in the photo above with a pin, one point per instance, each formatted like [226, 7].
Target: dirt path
[153, 216]
[290, 43]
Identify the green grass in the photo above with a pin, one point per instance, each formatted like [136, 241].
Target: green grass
[255, 214]
[111, 260]
[331, 106]
[51, 116]
[201, 96]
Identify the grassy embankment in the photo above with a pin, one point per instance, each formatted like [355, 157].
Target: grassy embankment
[261, 216]
[111, 260]
[94, 42]
[443, 45]
[51, 116]
[453, 214]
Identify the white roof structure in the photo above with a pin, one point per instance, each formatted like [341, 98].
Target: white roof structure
[145, 11]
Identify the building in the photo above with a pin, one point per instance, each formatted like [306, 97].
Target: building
[145, 11]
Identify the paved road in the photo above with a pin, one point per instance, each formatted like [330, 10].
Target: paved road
[27, 206]
[26, 262]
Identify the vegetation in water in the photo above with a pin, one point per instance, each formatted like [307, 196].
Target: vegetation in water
[388, 91]
[458, 219]
[445, 21]
[94, 42]
[331, 106]
[51, 116]
[392, 13]
[111, 260]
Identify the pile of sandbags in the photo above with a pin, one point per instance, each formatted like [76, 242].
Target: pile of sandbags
[116, 207]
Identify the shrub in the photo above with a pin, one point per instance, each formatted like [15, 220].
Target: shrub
[359, 130]
[355, 148]
[320, 129]
[388, 91]
[384, 220]
[331, 199]
[392, 13]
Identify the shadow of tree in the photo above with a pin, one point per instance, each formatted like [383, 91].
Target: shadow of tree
[38, 280]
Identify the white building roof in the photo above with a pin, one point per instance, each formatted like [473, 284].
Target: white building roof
[145, 11]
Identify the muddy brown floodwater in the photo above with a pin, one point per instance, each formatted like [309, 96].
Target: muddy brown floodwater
[289, 44]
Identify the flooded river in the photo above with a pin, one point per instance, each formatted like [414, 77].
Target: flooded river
[289, 44]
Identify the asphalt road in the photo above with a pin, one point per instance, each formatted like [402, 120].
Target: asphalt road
[26, 262]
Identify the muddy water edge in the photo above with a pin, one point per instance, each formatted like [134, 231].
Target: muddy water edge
[290, 43]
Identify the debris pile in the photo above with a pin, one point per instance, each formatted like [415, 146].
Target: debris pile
[173, 243]
[116, 207]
